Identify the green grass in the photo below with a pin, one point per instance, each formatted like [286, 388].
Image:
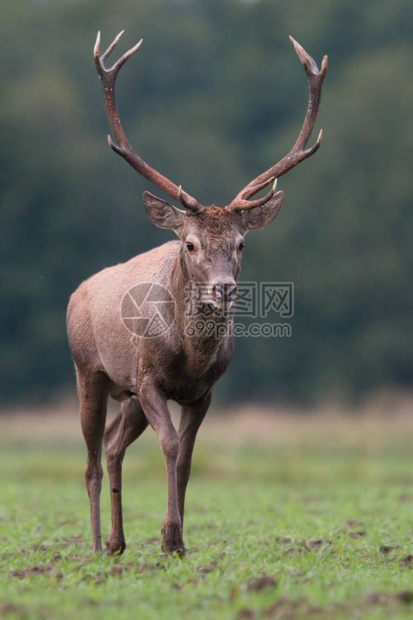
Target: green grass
[328, 525]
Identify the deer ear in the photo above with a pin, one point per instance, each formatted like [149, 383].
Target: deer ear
[261, 217]
[162, 214]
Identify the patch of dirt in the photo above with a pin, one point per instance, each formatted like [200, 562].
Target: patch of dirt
[296, 549]
[258, 584]
[386, 549]
[246, 614]
[7, 609]
[42, 548]
[316, 544]
[91, 578]
[405, 596]
[56, 557]
[118, 569]
[40, 569]
[407, 561]
[287, 609]
[382, 598]
[356, 535]
[304, 546]
[300, 546]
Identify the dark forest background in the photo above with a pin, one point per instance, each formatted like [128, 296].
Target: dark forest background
[215, 95]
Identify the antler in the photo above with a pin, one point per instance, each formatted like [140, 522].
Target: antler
[122, 145]
[298, 153]
[241, 204]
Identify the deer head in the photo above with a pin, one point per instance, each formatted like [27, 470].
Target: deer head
[212, 237]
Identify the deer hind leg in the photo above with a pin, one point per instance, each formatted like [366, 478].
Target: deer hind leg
[93, 394]
[158, 416]
[191, 419]
[125, 428]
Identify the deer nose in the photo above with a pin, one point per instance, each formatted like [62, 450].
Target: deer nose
[224, 291]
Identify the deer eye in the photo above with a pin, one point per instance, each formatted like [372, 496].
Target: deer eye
[241, 245]
[190, 246]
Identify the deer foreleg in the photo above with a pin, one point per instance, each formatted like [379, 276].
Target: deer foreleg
[157, 413]
[191, 419]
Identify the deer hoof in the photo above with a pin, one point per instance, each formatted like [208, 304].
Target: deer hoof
[115, 547]
[172, 541]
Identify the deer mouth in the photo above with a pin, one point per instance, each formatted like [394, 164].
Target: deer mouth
[221, 305]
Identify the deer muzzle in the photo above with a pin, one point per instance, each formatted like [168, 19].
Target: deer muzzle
[224, 292]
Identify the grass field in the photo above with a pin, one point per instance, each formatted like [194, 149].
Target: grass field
[287, 517]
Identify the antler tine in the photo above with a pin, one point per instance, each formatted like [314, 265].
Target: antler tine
[121, 144]
[126, 55]
[96, 49]
[299, 152]
[187, 201]
[243, 204]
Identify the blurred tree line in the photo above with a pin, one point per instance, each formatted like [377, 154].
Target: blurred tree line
[214, 96]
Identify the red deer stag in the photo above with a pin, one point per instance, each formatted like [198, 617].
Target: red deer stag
[144, 372]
